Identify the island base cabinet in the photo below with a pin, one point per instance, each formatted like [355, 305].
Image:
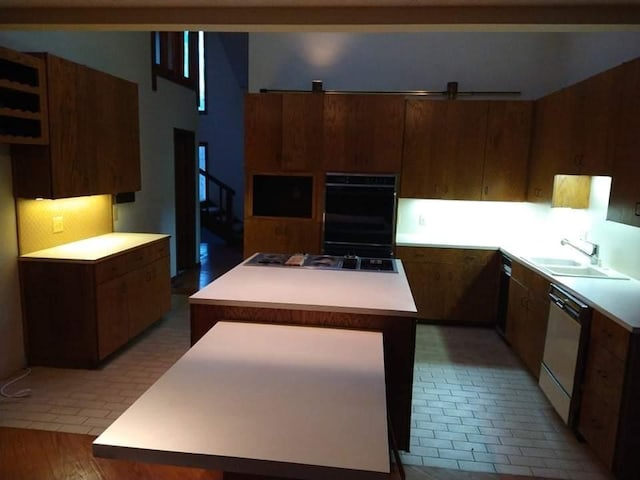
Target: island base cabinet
[75, 314]
[399, 339]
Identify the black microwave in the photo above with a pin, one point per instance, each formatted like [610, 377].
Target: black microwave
[283, 196]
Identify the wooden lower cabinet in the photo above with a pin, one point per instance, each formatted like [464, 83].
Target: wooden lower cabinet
[609, 417]
[77, 313]
[452, 285]
[281, 235]
[527, 313]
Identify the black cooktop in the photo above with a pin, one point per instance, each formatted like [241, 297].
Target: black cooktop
[329, 262]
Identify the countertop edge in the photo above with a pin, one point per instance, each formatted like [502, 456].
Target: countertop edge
[30, 257]
[304, 307]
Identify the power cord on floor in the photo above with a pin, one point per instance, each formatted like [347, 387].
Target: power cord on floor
[20, 393]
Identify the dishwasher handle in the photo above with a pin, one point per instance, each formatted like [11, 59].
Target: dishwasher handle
[572, 307]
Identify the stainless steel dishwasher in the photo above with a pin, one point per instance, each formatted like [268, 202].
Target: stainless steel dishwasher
[564, 353]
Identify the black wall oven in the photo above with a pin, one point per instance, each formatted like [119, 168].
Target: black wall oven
[359, 215]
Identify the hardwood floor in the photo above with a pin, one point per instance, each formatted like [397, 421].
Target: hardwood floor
[43, 455]
[216, 258]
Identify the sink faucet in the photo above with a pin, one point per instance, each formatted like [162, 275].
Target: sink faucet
[585, 247]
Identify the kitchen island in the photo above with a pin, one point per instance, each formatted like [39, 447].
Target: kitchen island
[256, 399]
[359, 300]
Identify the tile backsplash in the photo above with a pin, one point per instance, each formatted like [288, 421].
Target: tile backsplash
[77, 218]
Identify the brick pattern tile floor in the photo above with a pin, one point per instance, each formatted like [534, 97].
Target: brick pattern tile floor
[475, 408]
[87, 401]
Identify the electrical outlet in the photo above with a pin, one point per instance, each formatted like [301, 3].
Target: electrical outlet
[58, 224]
[421, 220]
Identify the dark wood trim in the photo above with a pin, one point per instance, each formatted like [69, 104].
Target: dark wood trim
[299, 18]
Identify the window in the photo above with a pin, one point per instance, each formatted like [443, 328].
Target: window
[202, 165]
[174, 56]
[202, 83]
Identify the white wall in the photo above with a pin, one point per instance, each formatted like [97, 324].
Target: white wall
[533, 63]
[222, 127]
[126, 55]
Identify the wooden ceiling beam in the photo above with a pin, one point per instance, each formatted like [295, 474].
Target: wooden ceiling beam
[500, 18]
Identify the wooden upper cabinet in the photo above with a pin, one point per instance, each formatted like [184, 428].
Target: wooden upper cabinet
[575, 132]
[283, 132]
[549, 147]
[263, 131]
[594, 103]
[94, 145]
[506, 155]
[444, 149]
[363, 133]
[624, 201]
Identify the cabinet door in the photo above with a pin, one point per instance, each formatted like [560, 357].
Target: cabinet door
[283, 132]
[429, 284]
[506, 157]
[263, 131]
[476, 281]
[302, 128]
[452, 285]
[526, 325]
[112, 316]
[549, 146]
[534, 333]
[594, 103]
[280, 236]
[115, 104]
[444, 149]
[363, 133]
[149, 295]
[624, 202]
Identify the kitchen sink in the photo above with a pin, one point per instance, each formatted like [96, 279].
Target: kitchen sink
[583, 271]
[543, 261]
[565, 267]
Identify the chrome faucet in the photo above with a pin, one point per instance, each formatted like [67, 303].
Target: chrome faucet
[585, 247]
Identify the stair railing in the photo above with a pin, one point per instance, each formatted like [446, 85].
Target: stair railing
[224, 201]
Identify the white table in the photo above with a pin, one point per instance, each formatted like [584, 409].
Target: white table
[290, 401]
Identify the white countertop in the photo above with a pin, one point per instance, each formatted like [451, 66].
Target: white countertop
[280, 400]
[95, 248]
[617, 299]
[365, 292]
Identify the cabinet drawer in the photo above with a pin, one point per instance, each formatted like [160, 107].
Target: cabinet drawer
[131, 260]
[598, 424]
[158, 250]
[604, 373]
[609, 335]
[110, 268]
